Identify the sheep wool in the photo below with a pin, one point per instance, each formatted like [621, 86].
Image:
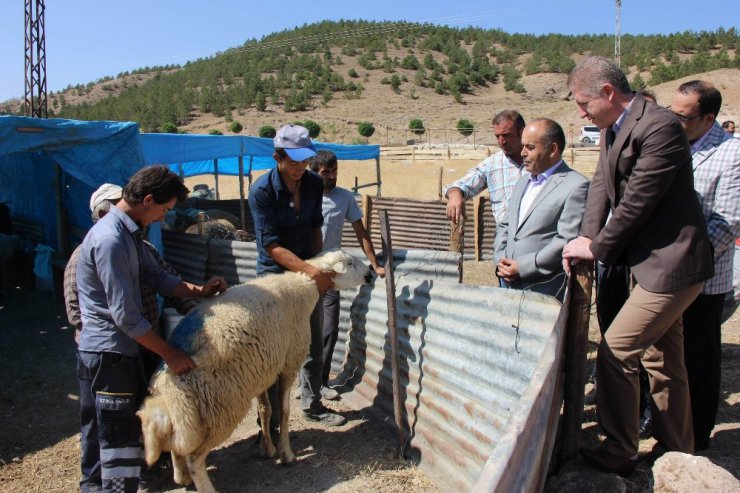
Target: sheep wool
[242, 341]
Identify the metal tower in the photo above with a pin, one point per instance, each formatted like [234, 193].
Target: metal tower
[35, 101]
[618, 34]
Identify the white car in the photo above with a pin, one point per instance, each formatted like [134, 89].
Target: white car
[590, 134]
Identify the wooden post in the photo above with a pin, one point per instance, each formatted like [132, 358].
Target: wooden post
[242, 206]
[200, 218]
[576, 343]
[215, 177]
[390, 288]
[439, 185]
[377, 176]
[477, 226]
[367, 209]
[474, 132]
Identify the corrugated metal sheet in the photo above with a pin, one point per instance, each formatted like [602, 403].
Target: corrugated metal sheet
[464, 369]
[236, 261]
[187, 254]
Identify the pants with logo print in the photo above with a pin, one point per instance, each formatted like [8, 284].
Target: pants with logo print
[112, 387]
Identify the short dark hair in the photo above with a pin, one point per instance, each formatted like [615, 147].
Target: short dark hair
[710, 99]
[592, 72]
[511, 116]
[158, 181]
[322, 159]
[726, 124]
[553, 132]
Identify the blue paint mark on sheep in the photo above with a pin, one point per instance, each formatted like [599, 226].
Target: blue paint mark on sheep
[183, 335]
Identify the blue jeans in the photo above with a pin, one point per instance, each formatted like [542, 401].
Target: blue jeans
[112, 387]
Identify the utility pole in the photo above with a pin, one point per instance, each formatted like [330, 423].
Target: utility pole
[618, 34]
[35, 101]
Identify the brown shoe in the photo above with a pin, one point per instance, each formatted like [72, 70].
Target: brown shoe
[607, 462]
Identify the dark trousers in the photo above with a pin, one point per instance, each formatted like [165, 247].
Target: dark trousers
[612, 291]
[310, 374]
[702, 337]
[330, 331]
[112, 387]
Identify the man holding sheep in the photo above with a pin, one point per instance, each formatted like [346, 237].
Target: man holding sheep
[112, 266]
[286, 208]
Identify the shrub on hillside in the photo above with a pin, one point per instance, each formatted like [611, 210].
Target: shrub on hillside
[353, 73]
[417, 126]
[236, 127]
[314, 129]
[215, 131]
[169, 128]
[465, 127]
[366, 129]
[267, 131]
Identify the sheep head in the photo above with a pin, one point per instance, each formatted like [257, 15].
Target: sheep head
[351, 271]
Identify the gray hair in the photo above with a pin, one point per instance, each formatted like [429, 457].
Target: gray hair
[103, 207]
[593, 72]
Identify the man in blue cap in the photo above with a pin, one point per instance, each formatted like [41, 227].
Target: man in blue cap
[286, 208]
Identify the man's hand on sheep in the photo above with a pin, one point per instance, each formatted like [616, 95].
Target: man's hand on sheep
[323, 278]
[177, 361]
[212, 286]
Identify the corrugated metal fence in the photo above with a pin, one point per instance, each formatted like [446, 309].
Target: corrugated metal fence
[479, 365]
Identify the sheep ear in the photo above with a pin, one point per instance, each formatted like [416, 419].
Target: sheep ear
[339, 268]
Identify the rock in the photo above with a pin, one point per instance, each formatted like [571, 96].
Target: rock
[676, 472]
[586, 481]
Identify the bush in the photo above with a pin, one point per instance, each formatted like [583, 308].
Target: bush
[236, 127]
[417, 126]
[314, 129]
[465, 127]
[366, 129]
[353, 73]
[267, 131]
[215, 131]
[169, 128]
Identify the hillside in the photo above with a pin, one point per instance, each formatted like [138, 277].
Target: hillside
[340, 73]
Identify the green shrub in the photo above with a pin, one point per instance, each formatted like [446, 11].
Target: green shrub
[169, 128]
[236, 127]
[417, 126]
[267, 131]
[465, 127]
[353, 73]
[314, 129]
[366, 129]
[215, 131]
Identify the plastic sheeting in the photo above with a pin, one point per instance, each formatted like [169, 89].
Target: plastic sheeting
[195, 153]
[93, 153]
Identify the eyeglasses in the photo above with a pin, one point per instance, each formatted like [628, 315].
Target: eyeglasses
[684, 118]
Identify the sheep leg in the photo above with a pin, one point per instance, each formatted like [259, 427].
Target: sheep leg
[197, 467]
[284, 450]
[181, 474]
[265, 412]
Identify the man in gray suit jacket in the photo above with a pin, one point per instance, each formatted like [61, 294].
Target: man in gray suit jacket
[642, 211]
[545, 212]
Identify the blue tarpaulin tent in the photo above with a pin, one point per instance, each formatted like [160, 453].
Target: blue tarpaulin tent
[52, 165]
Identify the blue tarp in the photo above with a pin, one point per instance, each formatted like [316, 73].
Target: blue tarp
[92, 153]
[196, 152]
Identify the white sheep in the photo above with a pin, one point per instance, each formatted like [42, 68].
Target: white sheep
[242, 341]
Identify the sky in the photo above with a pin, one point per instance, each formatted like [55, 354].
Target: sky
[90, 39]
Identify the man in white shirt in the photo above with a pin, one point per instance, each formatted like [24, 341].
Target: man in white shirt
[338, 205]
[545, 212]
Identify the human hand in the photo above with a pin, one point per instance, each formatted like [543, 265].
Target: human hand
[576, 250]
[178, 361]
[212, 286]
[380, 271]
[508, 269]
[323, 279]
[455, 205]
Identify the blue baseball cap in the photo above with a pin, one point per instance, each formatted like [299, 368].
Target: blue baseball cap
[294, 139]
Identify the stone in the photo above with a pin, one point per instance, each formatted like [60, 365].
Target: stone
[676, 472]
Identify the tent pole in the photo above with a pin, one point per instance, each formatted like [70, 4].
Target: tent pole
[182, 173]
[62, 226]
[242, 209]
[249, 176]
[215, 177]
[377, 174]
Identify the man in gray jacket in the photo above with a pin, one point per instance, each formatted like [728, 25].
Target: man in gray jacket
[545, 212]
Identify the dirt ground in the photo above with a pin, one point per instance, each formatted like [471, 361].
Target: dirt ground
[39, 435]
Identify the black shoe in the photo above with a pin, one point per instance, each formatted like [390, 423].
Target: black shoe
[325, 417]
[608, 462]
[154, 478]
